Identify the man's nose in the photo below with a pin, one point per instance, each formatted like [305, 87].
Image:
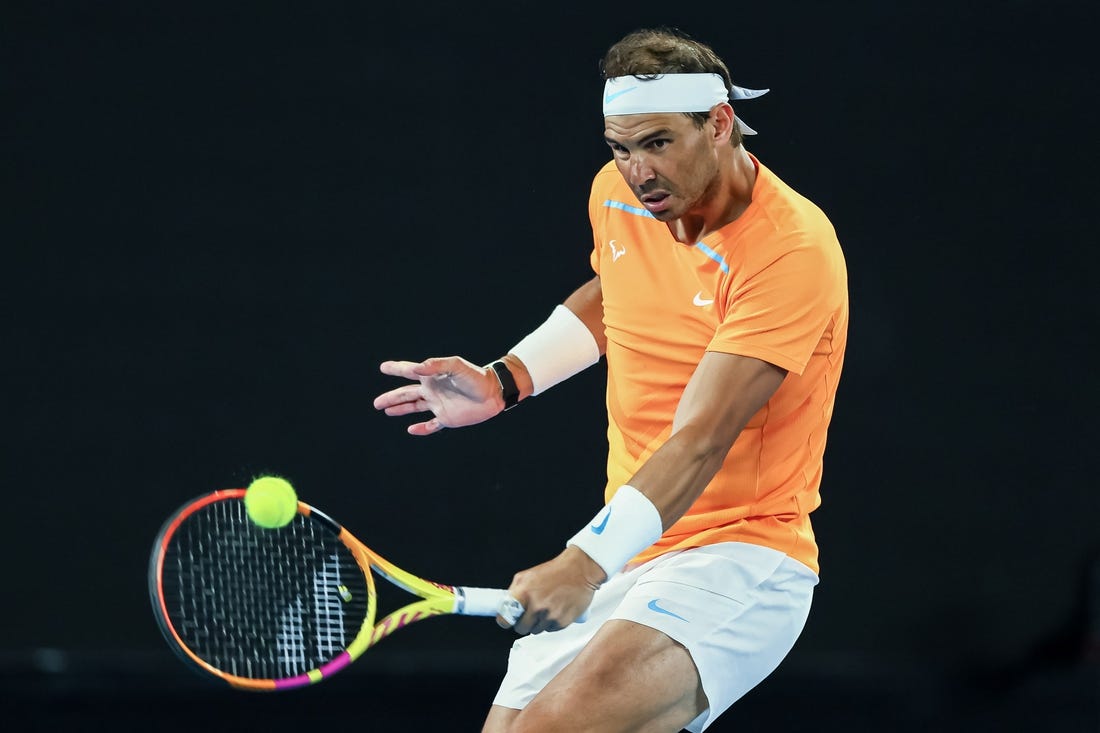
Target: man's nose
[640, 170]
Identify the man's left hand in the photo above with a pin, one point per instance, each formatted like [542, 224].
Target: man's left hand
[555, 593]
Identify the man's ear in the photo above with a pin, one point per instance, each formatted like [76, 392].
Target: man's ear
[721, 116]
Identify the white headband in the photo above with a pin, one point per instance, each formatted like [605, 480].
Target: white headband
[631, 95]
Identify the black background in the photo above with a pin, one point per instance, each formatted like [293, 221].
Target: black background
[219, 219]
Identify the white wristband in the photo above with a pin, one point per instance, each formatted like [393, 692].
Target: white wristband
[626, 526]
[556, 350]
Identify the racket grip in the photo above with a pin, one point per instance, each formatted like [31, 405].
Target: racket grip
[479, 601]
[488, 602]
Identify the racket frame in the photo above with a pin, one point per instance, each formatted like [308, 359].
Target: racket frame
[435, 598]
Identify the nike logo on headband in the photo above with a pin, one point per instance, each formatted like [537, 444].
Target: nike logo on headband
[609, 98]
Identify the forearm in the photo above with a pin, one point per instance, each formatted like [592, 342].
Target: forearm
[566, 343]
[719, 400]
[717, 404]
[657, 495]
[676, 474]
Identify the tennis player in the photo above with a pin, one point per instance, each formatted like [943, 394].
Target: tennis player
[720, 301]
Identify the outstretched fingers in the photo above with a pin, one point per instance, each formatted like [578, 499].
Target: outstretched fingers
[456, 391]
[403, 399]
[404, 369]
[441, 366]
[425, 428]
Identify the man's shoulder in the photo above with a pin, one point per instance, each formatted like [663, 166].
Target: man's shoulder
[782, 200]
[607, 180]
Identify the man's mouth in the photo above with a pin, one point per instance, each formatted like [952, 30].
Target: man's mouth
[657, 201]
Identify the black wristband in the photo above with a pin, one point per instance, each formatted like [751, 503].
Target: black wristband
[508, 387]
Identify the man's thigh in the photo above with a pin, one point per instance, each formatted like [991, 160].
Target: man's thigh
[721, 616]
[629, 677]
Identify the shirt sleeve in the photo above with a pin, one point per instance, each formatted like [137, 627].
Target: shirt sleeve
[781, 313]
[597, 215]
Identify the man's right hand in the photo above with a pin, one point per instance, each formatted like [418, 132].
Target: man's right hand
[457, 392]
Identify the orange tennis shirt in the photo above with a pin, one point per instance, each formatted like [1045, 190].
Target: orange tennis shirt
[772, 285]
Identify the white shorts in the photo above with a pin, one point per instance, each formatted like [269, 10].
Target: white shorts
[736, 607]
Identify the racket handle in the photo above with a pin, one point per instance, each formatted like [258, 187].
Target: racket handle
[488, 602]
[479, 601]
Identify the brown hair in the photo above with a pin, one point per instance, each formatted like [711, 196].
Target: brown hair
[651, 52]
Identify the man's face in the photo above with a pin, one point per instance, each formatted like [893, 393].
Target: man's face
[670, 164]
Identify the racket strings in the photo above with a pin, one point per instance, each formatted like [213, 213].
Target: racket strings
[260, 603]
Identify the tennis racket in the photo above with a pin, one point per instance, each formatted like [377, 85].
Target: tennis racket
[274, 609]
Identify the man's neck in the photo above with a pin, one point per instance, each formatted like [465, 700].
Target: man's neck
[731, 195]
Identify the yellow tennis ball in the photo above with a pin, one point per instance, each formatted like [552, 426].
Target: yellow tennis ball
[271, 502]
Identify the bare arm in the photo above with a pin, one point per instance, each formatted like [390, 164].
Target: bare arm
[586, 302]
[723, 394]
[459, 393]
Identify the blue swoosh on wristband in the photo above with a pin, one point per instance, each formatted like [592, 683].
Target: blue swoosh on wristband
[599, 528]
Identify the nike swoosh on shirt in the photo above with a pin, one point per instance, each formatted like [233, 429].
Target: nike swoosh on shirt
[700, 301]
[609, 98]
[652, 605]
[599, 528]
